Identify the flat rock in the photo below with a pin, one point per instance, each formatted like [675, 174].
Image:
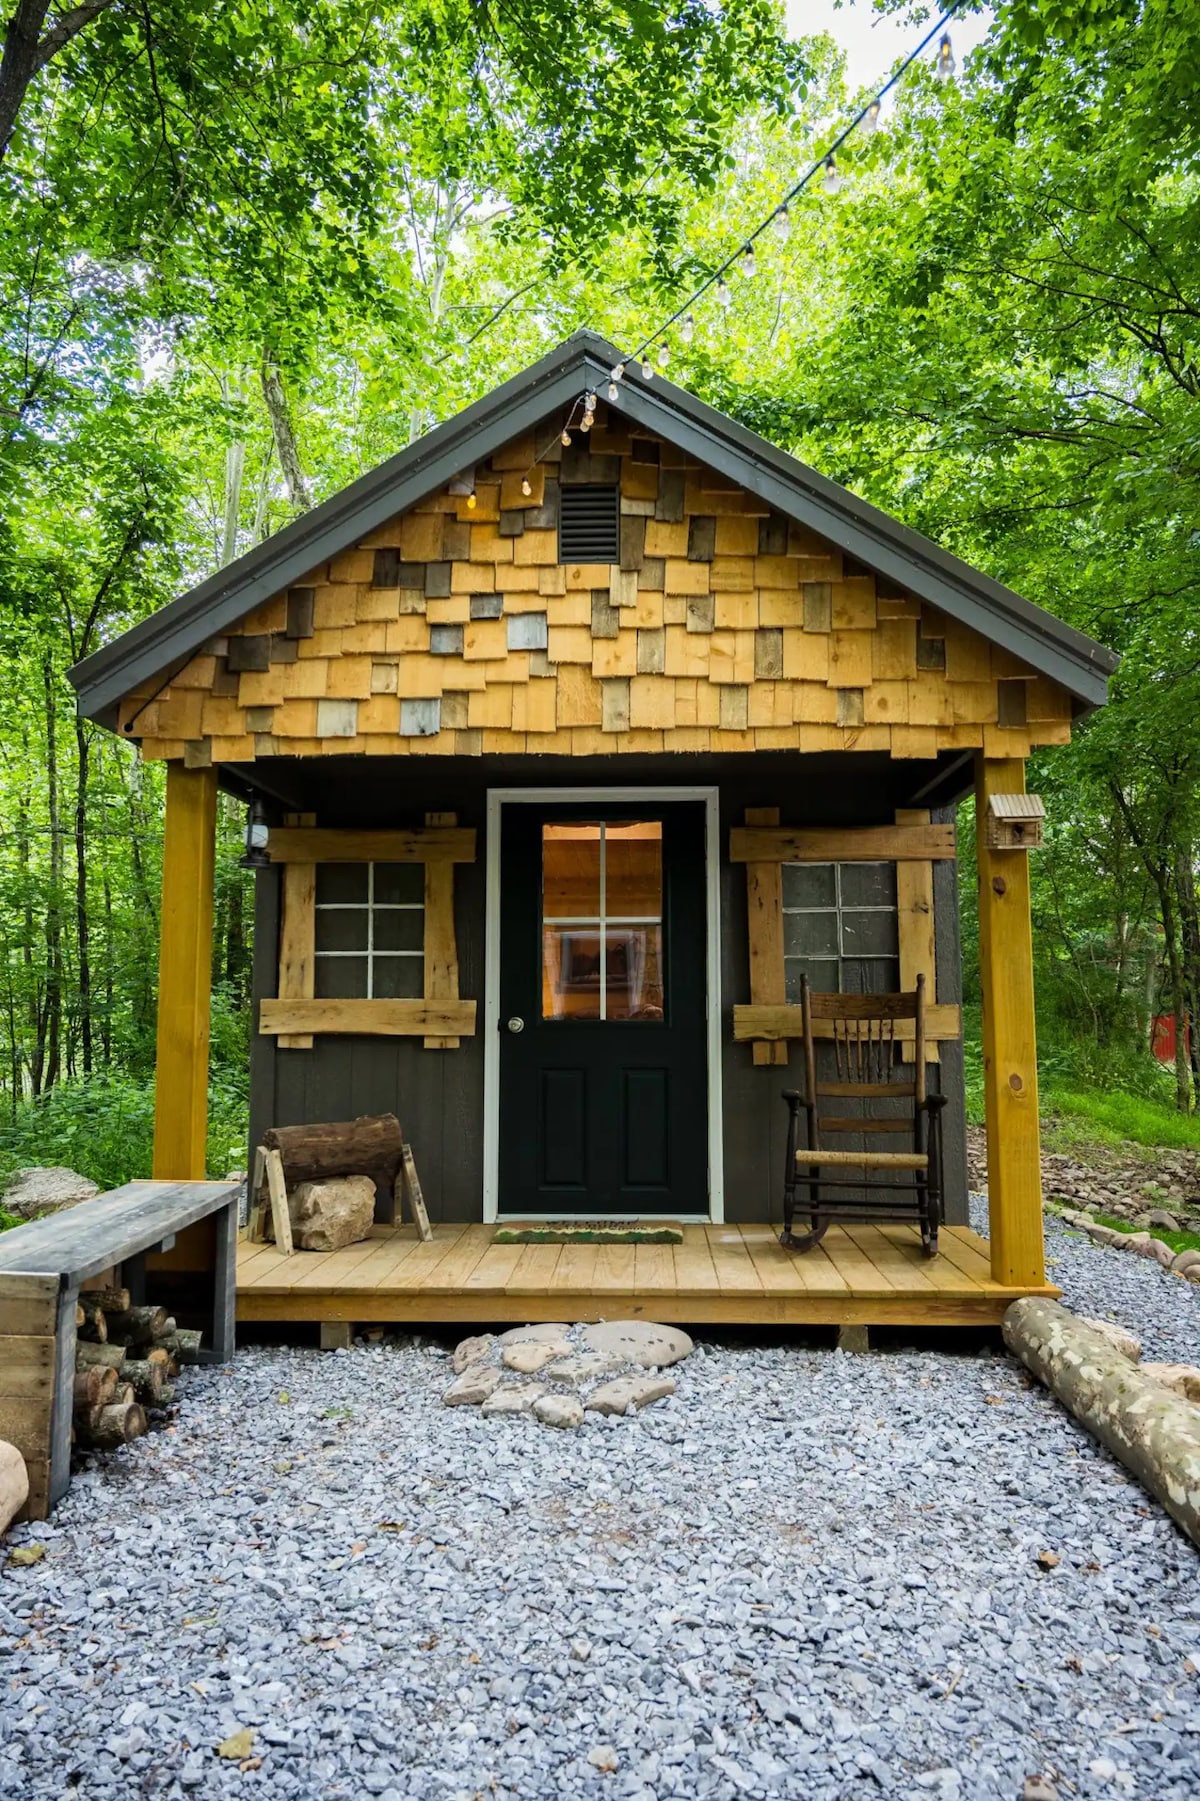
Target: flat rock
[527, 1359]
[33, 1192]
[472, 1350]
[1182, 1378]
[639, 1341]
[542, 1334]
[1117, 1337]
[583, 1367]
[630, 1391]
[515, 1397]
[559, 1410]
[1165, 1222]
[473, 1387]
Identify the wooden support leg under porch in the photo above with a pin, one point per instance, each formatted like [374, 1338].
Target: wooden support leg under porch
[719, 1275]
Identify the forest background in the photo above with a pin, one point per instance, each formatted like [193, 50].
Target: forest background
[248, 251]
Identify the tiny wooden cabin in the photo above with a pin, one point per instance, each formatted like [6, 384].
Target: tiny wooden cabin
[571, 758]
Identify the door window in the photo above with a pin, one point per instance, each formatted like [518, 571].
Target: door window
[602, 920]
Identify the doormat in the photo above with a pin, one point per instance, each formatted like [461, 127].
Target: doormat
[592, 1231]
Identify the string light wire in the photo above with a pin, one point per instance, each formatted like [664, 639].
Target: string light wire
[825, 162]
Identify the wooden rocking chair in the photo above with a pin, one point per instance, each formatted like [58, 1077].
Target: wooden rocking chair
[865, 1044]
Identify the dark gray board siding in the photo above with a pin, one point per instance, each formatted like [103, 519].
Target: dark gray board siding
[438, 1095]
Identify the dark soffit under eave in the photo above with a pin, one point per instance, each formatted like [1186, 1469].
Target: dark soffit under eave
[176, 632]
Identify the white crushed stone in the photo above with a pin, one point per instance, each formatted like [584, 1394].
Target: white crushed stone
[803, 1575]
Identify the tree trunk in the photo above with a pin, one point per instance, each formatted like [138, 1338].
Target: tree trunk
[283, 432]
[83, 929]
[53, 1024]
[369, 1146]
[27, 48]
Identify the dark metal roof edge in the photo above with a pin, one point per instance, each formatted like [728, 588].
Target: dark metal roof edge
[1057, 650]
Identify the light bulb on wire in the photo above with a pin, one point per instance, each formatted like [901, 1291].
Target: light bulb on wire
[783, 224]
[749, 263]
[647, 369]
[870, 120]
[613, 390]
[566, 436]
[724, 297]
[687, 329]
[526, 486]
[586, 423]
[946, 65]
[664, 356]
[471, 501]
[831, 180]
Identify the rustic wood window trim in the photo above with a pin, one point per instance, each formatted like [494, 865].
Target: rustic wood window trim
[913, 843]
[296, 1016]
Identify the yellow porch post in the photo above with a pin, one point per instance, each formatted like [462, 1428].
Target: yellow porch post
[1009, 1041]
[184, 974]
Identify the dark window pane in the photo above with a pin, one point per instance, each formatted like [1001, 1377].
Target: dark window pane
[868, 884]
[400, 882]
[870, 975]
[810, 935]
[399, 978]
[808, 885]
[822, 973]
[400, 931]
[341, 978]
[341, 928]
[869, 935]
[341, 882]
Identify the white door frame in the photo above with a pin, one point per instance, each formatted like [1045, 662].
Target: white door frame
[498, 798]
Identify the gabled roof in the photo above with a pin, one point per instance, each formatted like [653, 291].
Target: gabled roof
[169, 637]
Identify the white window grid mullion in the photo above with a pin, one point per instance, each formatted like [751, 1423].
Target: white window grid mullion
[370, 907]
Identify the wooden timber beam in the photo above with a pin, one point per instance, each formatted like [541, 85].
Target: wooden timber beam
[841, 844]
[942, 1021]
[1009, 1042]
[301, 844]
[185, 974]
[380, 1018]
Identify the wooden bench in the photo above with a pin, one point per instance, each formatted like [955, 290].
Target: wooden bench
[168, 1242]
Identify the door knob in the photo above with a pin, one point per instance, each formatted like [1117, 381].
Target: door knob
[516, 1025]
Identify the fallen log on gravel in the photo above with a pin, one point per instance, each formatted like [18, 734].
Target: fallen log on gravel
[1154, 1432]
[115, 1425]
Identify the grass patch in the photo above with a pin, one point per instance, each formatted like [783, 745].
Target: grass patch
[1178, 1241]
[104, 1129]
[1114, 1116]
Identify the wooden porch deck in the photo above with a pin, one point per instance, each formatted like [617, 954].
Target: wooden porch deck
[734, 1274]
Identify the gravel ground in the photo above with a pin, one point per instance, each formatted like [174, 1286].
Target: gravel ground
[805, 1575]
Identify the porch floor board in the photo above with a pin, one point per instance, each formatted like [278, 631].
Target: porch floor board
[719, 1275]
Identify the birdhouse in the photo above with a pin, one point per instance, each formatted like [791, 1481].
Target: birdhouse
[1014, 821]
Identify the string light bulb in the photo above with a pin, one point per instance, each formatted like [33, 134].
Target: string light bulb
[566, 436]
[831, 180]
[783, 224]
[526, 486]
[664, 356]
[586, 423]
[471, 501]
[724, 297]
[589, 403]
[647, 369]
[870, 120]
[613, 390]
[749, 263]
[946, 65]
[687, 330]
[617, 372]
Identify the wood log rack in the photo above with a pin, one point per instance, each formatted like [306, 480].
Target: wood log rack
[124, 1238]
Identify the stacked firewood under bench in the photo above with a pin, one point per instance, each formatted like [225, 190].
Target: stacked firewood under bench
[126, 1362]
[165, 1249]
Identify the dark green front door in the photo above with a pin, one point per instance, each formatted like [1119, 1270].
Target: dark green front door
[603, 1059]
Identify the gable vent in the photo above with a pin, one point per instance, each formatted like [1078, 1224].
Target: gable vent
[589, 523]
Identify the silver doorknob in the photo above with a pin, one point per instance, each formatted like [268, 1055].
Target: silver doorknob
[516, 1025]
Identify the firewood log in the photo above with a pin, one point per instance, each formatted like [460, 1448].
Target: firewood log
[137, 1325]
[157, 1353]
[109, 1300]
[94, 1385]
[369, 1146]
[116, 1425]
[123, 1394]
[110, 1356]
[94, 1325]
[147, 1379]
[168, 1394]
[183, 1344]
